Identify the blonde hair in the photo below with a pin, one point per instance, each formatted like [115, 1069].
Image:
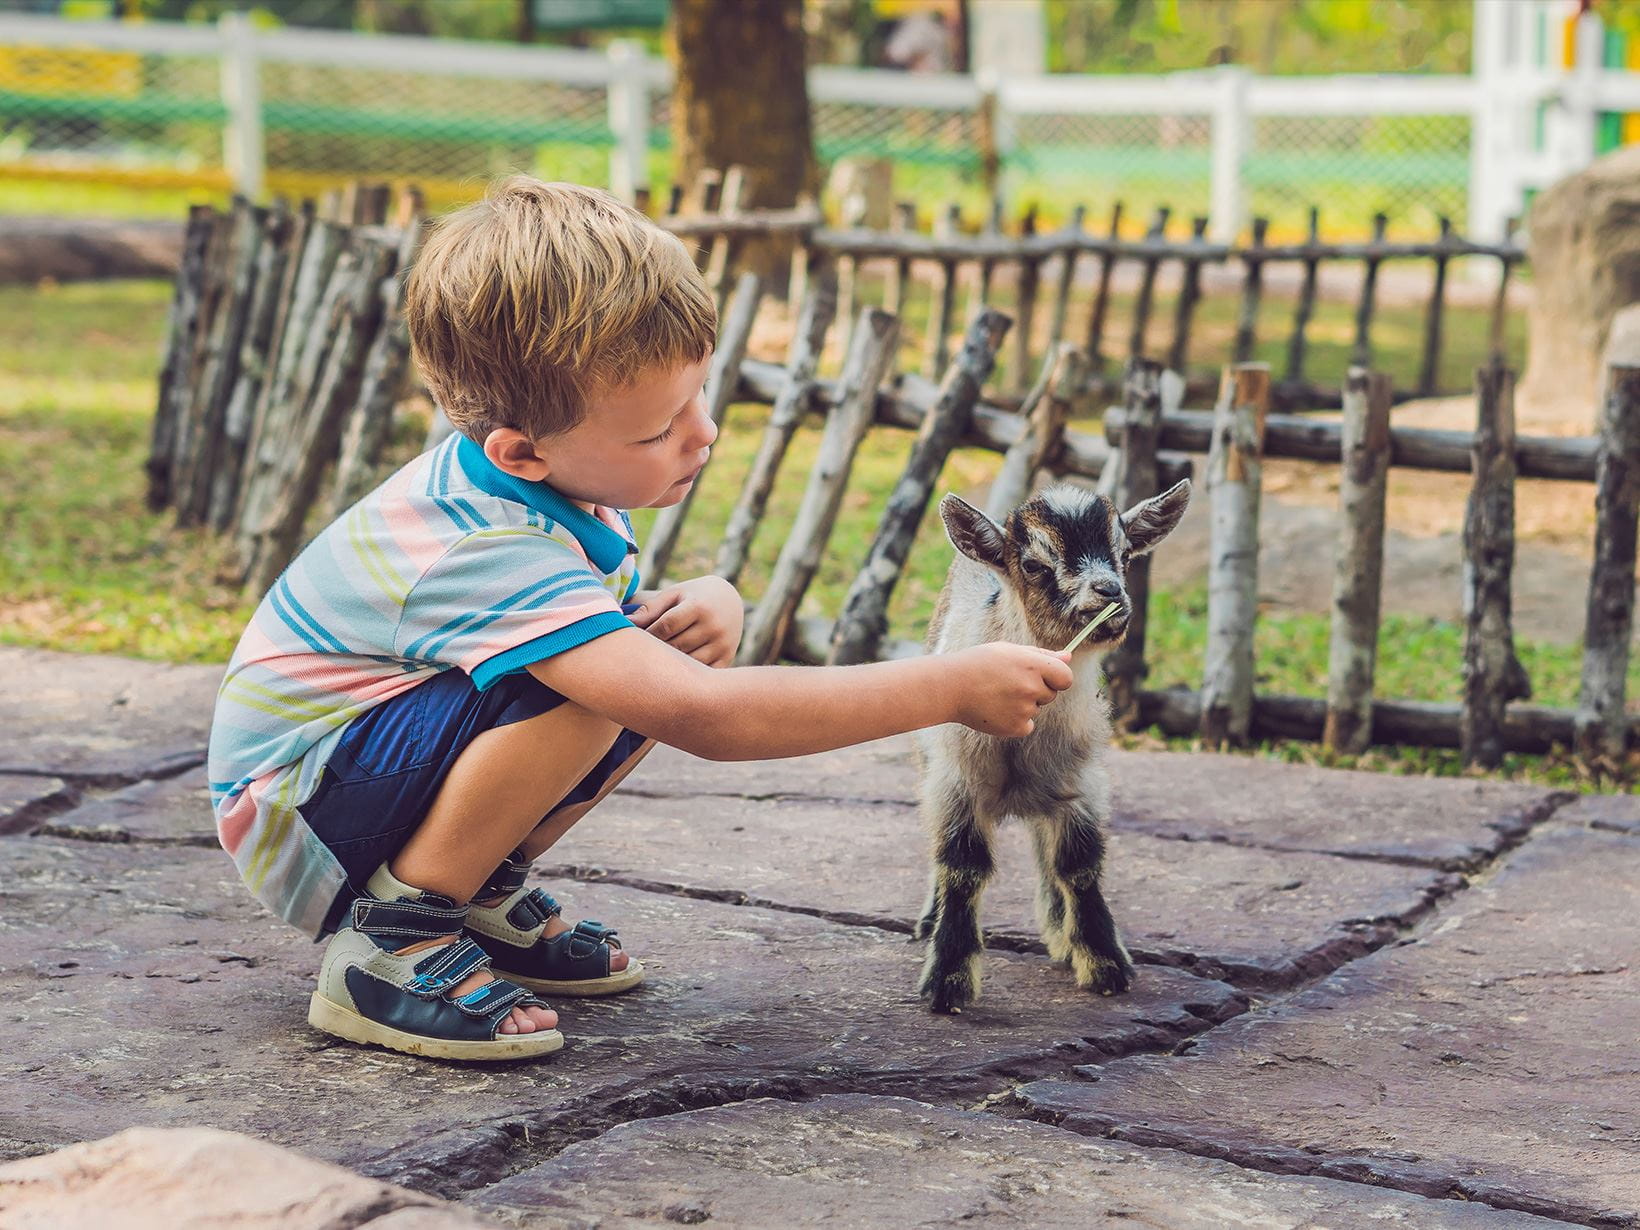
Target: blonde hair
[524, 306]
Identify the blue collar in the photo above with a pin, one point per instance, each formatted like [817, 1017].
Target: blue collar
[605, 547]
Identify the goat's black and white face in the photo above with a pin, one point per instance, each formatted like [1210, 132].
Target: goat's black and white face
[1065, 554]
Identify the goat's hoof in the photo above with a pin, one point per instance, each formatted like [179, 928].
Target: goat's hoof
[1103, 976]
[948, 993]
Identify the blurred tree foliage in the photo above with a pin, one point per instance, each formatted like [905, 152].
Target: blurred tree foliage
[1267, 36]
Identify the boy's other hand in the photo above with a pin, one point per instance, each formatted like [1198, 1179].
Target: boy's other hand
[1004, 686]
[701, 618]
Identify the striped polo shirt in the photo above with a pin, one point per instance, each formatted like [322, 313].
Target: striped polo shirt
[451, 564]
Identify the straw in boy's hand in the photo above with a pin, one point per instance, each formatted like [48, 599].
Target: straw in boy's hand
[1092, 624]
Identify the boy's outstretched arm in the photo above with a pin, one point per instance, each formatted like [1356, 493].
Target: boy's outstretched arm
[757, 712]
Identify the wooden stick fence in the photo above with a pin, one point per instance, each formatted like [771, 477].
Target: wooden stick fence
[286, 352]
[951, 253]
[1137, 463]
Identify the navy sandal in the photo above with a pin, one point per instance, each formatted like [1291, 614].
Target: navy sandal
[574, 963]
[369, 993]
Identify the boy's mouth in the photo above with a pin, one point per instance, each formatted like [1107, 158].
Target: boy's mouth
[691, 476]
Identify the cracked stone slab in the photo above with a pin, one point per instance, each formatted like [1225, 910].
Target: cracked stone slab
[171, 811]
[143, 985]
[102, 719]
[24, 797]
[1620, 813]
[854, 1160]
[1257, 917]
[1451, 823]
[1493, 1059]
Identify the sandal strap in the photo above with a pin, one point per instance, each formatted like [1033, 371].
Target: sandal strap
[495, 999]
[534, 909]
[585, 938]
[505, 880]
[426, 919]
[446, 967]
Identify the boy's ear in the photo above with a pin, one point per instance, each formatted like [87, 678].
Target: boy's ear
[973, 533]
[1150, 521]
[511, 451]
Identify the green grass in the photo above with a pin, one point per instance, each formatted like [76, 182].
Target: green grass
[88, 568]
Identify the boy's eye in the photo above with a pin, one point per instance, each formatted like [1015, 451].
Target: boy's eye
[665, 435]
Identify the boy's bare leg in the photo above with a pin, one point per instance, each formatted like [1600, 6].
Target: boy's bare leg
[493, 797]
[546, 834]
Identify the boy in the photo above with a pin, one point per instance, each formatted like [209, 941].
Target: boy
[462, 665]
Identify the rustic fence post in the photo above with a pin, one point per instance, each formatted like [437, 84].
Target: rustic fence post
[1234, 477]
[721, 385]
[1492, 675]
[173, 376]
[871, 355]
[371, 421]
[1358, 568]
[904, 222]
[1045, 411]
[1601, 725]
[1030, 274]
[1063, 280]
[1361, 356]
[717, 263]
[942, 299]
[1252, 291]
[251, 368]
[1305, 307]
[864, 619]
[1429, 369]
[340, 337]
[1184, 310]
[790, 404]
[1136, 479]
[1147, 282]
[1101, 296]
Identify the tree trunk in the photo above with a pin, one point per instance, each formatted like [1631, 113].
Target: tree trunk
[741, 97]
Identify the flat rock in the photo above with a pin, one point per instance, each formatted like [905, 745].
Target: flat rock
[1493, 1059]
[853, 1160]
[1256, 917]
[1448, 822]
[164, 1178]
[1619, 813]
[1451, 823]
[24, 797]
[171, 811]
[102, 719]
[144, 986]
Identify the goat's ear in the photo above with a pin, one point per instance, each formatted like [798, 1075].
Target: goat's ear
[1152, 520]
[973, 533]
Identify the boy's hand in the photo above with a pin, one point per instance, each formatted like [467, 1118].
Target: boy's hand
[1004, 686]
[701, 618]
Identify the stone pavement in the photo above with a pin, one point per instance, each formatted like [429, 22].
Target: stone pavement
[1361, 1000]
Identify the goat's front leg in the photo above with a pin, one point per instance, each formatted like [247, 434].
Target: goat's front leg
[962, 864]
[1097, 956]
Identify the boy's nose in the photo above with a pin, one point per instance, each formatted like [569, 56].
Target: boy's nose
[708, 432]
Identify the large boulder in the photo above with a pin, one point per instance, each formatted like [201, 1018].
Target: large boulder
[176, 1178]
[1585, 250]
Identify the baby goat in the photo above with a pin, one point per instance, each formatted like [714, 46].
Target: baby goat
[1059, 560]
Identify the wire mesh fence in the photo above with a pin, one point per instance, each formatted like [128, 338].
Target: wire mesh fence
[339, 106]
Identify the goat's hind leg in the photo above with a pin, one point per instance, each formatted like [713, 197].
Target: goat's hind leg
[1051, 893]
[1097, 955]
[962, 865]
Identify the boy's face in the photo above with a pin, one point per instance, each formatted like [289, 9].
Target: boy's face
[640, 446]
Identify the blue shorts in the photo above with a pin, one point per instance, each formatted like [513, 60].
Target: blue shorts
[382, 778]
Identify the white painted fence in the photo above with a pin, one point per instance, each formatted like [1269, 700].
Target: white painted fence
[1498, 103]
